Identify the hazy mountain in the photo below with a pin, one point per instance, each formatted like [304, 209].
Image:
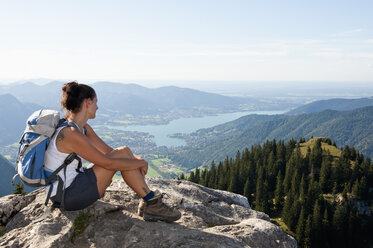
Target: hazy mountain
[138, 100]
[6, 175]
[47, 95]
[332, 104]
[353, 128]
[13, 118]
[38, 81]
[135, 99]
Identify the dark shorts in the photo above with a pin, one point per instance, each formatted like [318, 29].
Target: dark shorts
[82, 192]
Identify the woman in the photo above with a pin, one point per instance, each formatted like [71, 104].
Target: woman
[85, 186]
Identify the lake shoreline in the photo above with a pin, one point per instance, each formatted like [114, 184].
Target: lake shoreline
[170, 135]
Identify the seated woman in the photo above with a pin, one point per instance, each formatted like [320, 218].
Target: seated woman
[84, 186]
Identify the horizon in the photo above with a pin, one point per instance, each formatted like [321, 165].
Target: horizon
[316, 90]
[124, 41]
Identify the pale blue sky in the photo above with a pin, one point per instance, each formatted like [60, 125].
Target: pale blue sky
[187, 40]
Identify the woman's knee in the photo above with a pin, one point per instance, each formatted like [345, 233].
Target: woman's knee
[121, 152]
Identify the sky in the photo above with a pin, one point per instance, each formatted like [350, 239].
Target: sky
[172, 41]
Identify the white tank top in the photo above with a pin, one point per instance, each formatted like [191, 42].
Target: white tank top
[53, 159]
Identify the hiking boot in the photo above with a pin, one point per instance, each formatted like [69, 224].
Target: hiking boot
[140, 208]
[155, 209]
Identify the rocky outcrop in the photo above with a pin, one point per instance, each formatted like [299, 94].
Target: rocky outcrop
[210, 218]
[12, 204]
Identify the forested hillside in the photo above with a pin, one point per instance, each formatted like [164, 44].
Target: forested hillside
[316, 192]
[332, 104]
[353, 128]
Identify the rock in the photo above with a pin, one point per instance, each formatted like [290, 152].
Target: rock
[210, 218]
[12, 204]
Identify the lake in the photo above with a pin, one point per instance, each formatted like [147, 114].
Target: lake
[187, 125]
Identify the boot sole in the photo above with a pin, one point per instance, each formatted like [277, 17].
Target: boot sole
[150, 217]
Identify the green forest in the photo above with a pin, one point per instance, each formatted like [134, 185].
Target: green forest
[314, 191]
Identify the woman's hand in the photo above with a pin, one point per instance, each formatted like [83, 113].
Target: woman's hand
[143, 169]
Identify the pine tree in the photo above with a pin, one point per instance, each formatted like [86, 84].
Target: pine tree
[354, 229]
[335, 191]
[203, 177]
[197, 175]
[288, 175]
[233, 183]
[267, 204]
[299, 233]
[339, 225]
[316, 225]
[191, 177]
[302, 191]
[363, 188]
[259, 194]
[286, 215]
[279, 193]
[246, 189]
[355, 189]
[325, 175]
[294, 215]
[19, 189]
[325, 227]
[212, 176]
[315, 160]
[308, 241]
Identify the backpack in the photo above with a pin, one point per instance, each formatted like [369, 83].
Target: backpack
[40, 127]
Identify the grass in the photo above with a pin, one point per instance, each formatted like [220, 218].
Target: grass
[334, 151]
[282, 225]
[1, 230]
[160, 161]
[152, 172]
[80, 224]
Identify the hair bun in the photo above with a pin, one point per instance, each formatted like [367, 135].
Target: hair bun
[71, 89]
[74, 89]
[73, 94]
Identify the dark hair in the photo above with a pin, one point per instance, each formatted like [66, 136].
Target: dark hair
[73, 95]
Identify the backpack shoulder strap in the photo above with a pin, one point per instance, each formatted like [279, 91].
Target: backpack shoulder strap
[64, 123]
[69, 159]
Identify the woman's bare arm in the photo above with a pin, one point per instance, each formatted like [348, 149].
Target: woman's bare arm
[71, 140]
[97, 141]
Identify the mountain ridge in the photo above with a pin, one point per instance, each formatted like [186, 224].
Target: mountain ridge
[351, 128]
[340, 104]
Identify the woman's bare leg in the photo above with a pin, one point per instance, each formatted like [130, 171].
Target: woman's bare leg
[133, 178]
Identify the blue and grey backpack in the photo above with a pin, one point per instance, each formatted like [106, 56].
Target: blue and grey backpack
[40, 127]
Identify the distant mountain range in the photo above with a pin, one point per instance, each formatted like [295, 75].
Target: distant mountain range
[137, 100]
[332, 104]
[116, 100]
[353, 128]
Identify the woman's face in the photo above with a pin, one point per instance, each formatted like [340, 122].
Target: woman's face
[92, 107]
